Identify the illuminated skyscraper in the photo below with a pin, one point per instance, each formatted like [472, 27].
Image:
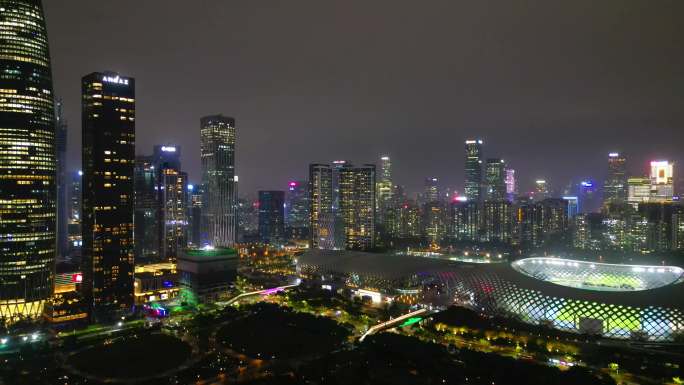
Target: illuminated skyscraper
[638, 191]
[338, 234]
[511, 184]
[172, 199]
[589, 198]
[473, 169]
[75, 235]
[541, 190]
[434, 222]
[662, 183]
[384, 187]
[146, 210]
[615, 189]
[495, 176]
[496, 221]
[297, 216]
[271, 217]
[173, 224]
[357, 206]
[321, 201]
[541, 222]
[218, 177]
[195, 215]
[108, 192]
[464, 220]
[573, 206]
[431, 190]
[404, 221]
[27, 162]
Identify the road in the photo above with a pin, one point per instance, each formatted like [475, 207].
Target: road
[390, 323]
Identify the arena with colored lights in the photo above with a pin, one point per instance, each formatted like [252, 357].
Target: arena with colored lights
[615, 301]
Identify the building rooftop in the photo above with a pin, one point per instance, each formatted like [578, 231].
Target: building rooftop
[599, 276]
[208, 254]
[620, 285]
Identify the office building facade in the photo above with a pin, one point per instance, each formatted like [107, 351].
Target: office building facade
[108, 125]
[217, 148]
[357, 206]
[297, 215]
[615, 188]
[321, 206]
[271, 217]
[27, 163]
[495, 177]
[473, 169]
[146, 210]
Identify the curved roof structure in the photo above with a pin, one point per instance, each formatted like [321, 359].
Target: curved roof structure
[617, 301]
[599, 276]
[648, 288]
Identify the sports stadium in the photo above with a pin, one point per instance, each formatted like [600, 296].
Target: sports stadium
[615, 301]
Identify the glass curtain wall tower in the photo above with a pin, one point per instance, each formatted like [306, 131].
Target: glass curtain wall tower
[219, 180]
[27, 162]
[615, 189]
[321, 210]
[357, 206]
[473, 170]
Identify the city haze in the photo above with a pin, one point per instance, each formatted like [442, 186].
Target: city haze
[551, 87]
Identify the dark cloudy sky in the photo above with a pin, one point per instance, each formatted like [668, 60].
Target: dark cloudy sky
[552, 86]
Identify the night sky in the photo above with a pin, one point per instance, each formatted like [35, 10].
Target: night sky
[551, 86]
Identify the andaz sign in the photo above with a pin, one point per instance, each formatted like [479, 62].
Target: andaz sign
[115, 79]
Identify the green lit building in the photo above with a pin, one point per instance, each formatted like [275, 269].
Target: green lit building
[207, 274]
[27, 162]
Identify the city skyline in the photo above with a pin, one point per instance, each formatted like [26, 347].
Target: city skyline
[461, 220]
[554, 114]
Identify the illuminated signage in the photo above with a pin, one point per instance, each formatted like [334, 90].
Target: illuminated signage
[77, 278]
[115, 80]
[613, 155]
[168, 149]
